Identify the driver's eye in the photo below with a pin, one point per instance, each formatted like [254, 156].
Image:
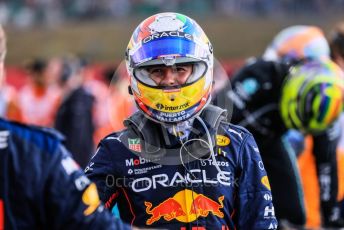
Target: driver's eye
[155, 71]
[180, 69]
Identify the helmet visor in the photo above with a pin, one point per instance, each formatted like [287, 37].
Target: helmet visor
[168, 46]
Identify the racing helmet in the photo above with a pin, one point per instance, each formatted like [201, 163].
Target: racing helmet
[312, 96]
[298, 43]
[170, 39]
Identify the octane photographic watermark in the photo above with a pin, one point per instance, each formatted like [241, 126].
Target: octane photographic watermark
[163, 180]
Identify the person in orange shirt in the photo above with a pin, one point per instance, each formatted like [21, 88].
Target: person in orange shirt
[39, 99]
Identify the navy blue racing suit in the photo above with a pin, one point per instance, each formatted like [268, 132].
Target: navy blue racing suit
[190, 195]
[41, 187]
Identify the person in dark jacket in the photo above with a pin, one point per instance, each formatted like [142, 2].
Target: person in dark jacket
[74, 117]
[41, 186]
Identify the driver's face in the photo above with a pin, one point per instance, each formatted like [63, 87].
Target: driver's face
[170, 75]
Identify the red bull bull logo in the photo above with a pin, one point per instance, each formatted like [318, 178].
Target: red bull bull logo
[185, 206]
[202, 205]
[169, 209]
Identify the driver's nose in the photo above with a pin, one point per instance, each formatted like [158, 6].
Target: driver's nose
[169, 78]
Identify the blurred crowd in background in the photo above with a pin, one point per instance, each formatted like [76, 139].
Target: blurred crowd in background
[68, 94]
[27, 13]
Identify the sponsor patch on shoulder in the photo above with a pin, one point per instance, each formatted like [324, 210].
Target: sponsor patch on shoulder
[134, 144]
[91, 199]
[265, 182]
[69, 165]
[222, 140]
